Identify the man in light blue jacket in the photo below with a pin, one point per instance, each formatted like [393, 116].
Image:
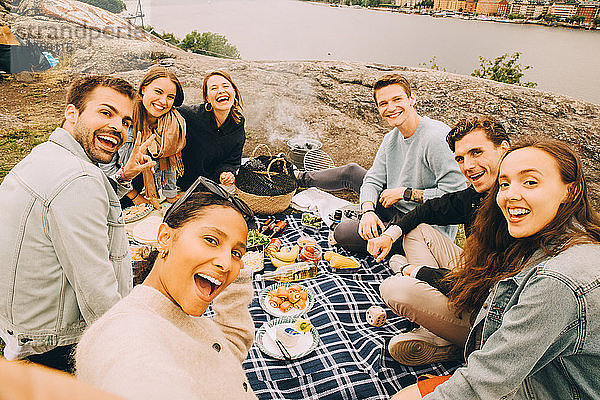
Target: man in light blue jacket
[65, 256]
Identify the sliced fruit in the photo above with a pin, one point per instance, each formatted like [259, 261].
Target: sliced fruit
[287, 255]
[303, 325]
[279, 263]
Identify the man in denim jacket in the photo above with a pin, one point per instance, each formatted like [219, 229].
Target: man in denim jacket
[65, 256]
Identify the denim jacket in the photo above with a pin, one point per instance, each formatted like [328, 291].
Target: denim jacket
[65, 256]
[540, 334]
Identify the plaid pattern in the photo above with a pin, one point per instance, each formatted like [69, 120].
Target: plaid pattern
[351, 361]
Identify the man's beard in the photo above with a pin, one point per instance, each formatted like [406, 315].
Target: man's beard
[87, 139]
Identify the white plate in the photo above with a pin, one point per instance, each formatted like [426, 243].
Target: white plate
[307, 343]
[263, 300]
[146, 231]
[140, 211]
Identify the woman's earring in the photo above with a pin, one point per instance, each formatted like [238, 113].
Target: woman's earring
[163, 253]
[208, 106]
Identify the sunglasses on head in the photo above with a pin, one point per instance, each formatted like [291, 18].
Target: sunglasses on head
[203, 184]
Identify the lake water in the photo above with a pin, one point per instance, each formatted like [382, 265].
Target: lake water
[564, 60]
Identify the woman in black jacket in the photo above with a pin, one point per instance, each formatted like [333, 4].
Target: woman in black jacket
[215, 132]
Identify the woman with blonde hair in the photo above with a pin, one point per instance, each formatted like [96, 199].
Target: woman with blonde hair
[154, 113]
[216, 134]
[530, 277]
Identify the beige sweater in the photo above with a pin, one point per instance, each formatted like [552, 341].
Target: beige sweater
[146, 347]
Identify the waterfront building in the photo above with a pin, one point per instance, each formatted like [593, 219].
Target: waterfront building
[470, 6]
[563, 10]
[487, 7]
[531, 9]
[503, 8]
[449, 5]
[588, 10]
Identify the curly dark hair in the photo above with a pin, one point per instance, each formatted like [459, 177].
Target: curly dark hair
[494, 131]
[492, 254]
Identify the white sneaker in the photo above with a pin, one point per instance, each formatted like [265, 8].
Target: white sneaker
[419, 347]
[397, 261]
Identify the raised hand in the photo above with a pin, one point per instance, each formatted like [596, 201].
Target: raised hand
[139, 160]
[227, 178]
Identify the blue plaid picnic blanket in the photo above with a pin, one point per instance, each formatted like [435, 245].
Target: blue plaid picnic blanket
[351, 361]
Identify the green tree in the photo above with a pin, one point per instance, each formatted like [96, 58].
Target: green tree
[550, 17]
[424, 4]
[209, 43]
[166, 36]
[114, 6]
[505, 68]
[432, 64]
[596, 21]
[517, 16]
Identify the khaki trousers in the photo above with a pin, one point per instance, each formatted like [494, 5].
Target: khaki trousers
[417, 300]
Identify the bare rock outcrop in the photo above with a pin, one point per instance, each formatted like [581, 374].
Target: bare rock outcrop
[332, 101]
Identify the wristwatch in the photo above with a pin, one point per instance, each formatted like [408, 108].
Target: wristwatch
[407, 194]
[119, 178]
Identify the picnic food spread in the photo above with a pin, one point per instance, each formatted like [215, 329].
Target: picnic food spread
[284, 256]
[339, 261]
[311, 220]
[255, 238]
[285, 298]
[255, 260]
[134, 213]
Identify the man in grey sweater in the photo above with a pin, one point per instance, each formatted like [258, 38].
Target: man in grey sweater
[413, 164]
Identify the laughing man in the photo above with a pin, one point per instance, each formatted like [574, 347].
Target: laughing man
[65, 257]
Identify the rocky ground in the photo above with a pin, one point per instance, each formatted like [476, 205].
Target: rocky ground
[330, 101]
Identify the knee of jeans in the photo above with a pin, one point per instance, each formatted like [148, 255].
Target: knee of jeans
[353, 169]
[344, 232]
[399, 292]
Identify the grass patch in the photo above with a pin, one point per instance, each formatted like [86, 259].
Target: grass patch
[16, 144]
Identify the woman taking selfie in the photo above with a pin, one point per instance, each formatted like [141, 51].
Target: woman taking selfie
[153, 114]
[155, 343]
[531, 270]
[216, 134]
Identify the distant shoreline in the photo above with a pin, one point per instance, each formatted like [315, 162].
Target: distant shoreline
[467, 17]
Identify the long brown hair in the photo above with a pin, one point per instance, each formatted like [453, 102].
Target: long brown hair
[139, 111]
[238, 104]
[492, 254]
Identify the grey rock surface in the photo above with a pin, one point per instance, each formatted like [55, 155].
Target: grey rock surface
[332, 101]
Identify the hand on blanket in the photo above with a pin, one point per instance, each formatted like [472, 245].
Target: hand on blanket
[379, 247]
[370, 226]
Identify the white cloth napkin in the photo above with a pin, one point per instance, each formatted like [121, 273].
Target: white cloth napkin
[318, 202]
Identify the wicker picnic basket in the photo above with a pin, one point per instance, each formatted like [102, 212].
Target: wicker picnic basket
[266, 183]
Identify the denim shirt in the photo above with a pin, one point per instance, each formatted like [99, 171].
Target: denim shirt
[65, 256]
[540, 334]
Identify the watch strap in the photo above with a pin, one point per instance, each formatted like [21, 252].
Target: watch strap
[407, 194]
